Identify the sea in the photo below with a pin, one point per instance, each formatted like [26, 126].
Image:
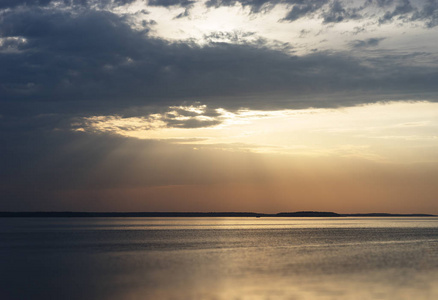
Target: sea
[219, 258]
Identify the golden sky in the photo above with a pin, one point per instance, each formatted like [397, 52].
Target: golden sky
[376, 157]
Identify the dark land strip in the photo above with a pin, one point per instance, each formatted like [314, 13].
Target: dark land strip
[71, 214]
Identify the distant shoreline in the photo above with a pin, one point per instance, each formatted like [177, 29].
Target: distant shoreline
[69, 214]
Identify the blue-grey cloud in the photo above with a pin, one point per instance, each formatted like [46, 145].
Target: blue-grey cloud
[336, 13]
[42, 3]
[371, 42]
[63, 63]
[255, 5]
[428, 14]
[301, 9]
[297, 8]
[15, 3]
[169, 3]
[400, 11]
[380, 3]
[95, 61]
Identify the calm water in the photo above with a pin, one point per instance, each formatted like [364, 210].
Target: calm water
[219, 258]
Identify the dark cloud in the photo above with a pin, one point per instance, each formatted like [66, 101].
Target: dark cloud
[403, 8]
[192, 123]
[424, 11]
[193, 116]
[381, 3]
[42, 3]
[15, 3]
[428, 14]
[169, 3]
[95, 63]
[234, 37]
[337, 13]
[331, 11]
[299, 8]
[183, 117]
[303, 8]
[65, 55]
[58, 64]
[372, 42]
[184, 14]
[255, 5]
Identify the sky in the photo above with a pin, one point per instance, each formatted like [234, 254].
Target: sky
[219, 105]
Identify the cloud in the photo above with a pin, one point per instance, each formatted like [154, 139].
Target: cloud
[302, 9]
[84, 3]
[297, 8]
[381, 3]
[191, 116]
[371, 42]
[231, 37]
[186, 4]
[428, 14]
[169, 3]
[15, 3]
[256, 6]
[95, 63]
[62, 63]
[400, 11]
[336, 13]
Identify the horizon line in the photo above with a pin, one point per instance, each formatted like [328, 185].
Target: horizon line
[201, 214]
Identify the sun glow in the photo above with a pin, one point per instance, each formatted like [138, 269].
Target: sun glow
[381, 132]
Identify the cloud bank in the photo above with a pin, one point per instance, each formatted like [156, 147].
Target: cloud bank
[86, 59]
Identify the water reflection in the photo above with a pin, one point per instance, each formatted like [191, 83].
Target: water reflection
[219, 258]
[216, 223]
